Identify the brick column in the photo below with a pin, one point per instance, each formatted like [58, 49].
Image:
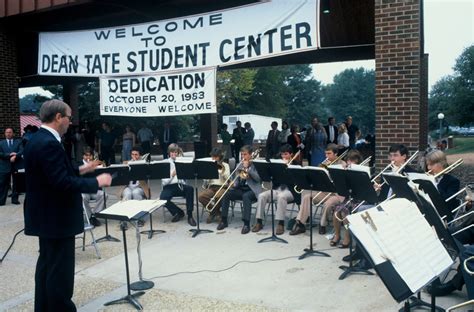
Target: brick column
[397, 75]
[9, 102]
[424, 102]
[208, 130]
[71, 97]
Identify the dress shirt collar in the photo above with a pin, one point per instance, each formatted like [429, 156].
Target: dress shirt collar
[53, 132]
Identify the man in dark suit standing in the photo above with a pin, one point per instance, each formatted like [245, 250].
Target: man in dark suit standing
[167, 138]
[331, 130]
[238, 137]
[53, 206]
[11, 151]
[273, 145]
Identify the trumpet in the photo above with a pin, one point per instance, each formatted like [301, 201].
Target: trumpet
[226, 185]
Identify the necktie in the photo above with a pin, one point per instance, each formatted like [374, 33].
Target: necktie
[10, 143]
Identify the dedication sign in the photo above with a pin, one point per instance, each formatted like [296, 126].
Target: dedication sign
[219, 38]
[178, 93]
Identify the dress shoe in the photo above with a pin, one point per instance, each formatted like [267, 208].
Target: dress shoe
[280, 229]
[245, 229]
[257, 227]
[15, 202]
[322, 230]
[191, 221]
[298, 230]
[222, 226]
[177, 217]
[94, 221]
[348, 258]
[441, 290]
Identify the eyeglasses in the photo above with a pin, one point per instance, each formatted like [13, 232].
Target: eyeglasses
[69, 117]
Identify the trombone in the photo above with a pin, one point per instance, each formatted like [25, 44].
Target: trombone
[226, 185]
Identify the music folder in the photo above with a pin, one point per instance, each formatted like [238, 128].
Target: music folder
[131, 210]
[311, 178]
[354, 181]
[202, 168]
[405, 251]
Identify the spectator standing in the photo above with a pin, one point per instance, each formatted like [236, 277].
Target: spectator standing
[316, 139]
[11, 152]
[107, 144]
[145, 137]
[249, 134]
[284, 134]
[168, 138]
[226, 147]
[296, 142]
[331, 130]
[238, 137]
[272, 145]
[351, 131]
[128, 142]
[342, 139]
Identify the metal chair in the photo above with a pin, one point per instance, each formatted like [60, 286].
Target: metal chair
[89, 227]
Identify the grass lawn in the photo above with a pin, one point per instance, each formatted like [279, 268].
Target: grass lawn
[462, 144]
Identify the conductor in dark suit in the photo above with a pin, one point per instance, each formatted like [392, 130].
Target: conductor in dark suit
[11, 151]
[331, 130]
[53, 206]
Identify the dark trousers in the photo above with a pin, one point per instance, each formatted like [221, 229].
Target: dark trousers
[164, 147]
[247, 197]
[4, 185]
[146, 147]
[54, 277]
[107, 154]
[173, 190]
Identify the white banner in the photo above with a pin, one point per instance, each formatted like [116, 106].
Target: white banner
[179, 93]
[219, 38]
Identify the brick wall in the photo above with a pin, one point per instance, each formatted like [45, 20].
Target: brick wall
[9, 104]
[397, 76]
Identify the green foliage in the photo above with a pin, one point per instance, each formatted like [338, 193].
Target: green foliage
[234, 87]
[454, 95]
[31, 103]
[352, 93]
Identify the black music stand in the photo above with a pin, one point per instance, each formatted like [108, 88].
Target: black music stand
[274, 173]
[119, 177]
[358, 186]
[193, 170]
[150, 171]
[400, 186]
[129, 298]
[311, 178]
[440, 204]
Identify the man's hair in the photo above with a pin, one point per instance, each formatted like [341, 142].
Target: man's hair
[224, 126]
[329, 119]
[174, 148]
[246, 148]
[217, 152]
[137, 149]
[247, 124]
[87, 150]
[274, 123]
[50, 108]
[398, 148]
[332, 147]
[437, 157]
[286, 149]
[354, 156]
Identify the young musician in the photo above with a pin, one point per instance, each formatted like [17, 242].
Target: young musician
[282, 194]
[137, 190]
[87, 157]
[328, 207]
[175, 187]
[214, 185]
[247, 187]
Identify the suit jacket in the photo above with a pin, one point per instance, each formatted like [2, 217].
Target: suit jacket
[447, 187]
[238, 136]
[335, 134]
[5, 164]
[272, 145]
[253, 181]
[53, 202]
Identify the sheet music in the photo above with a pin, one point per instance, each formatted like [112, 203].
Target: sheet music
[159, 162]
[404, 236]
[130, 208]
[421, 176]
[206, 159]
[361, 168]
[186, 160]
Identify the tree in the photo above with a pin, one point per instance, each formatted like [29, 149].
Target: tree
[234, 87]
[454, 95]
[352, 93]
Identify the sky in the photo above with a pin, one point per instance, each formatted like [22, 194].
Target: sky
[449, 29]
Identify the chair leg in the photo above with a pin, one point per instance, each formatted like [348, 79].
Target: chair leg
[84, 241]
[95, 245]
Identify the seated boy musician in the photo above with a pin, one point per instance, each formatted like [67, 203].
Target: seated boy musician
[137, 190]
[173, 187]
[87, 156]
[247, 187]
[282, 194]
[215, 185]
[331, 152]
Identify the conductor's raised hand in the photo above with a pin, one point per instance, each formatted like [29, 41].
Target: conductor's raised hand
[90, 166]
[104, 179]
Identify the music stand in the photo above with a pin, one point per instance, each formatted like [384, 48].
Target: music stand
[400, 186]
[150, 171]
[274, 173]
[311, 178]
[119, 175]
[358, 186]
[193, 170]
